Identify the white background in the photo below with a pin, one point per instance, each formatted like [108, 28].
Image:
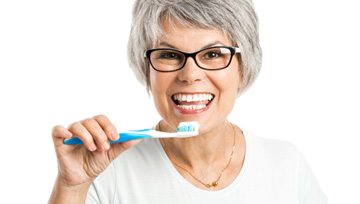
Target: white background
[62, 61]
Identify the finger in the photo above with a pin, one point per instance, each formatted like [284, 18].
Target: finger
[107, 126]
[78, 130]
[101, 139]
[59, 133]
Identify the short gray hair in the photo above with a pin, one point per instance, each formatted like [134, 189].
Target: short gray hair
[236, 18]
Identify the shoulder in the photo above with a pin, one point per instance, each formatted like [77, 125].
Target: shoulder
[278, 157]
[285, 163]
[271, 148]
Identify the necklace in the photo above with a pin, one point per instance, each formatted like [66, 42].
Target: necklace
[216, 181]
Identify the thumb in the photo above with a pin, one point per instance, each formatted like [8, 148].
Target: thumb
[118, 148]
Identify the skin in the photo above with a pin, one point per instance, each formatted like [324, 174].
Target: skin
[78, 166]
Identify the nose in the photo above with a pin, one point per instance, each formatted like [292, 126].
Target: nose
[190, 73]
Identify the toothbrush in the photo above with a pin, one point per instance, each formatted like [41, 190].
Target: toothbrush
[184, 129]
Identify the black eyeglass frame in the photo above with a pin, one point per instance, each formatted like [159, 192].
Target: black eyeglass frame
[233, 51]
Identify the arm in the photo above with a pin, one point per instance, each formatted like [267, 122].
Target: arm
[63, 193]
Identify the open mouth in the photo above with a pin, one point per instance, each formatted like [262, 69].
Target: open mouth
[192, 102]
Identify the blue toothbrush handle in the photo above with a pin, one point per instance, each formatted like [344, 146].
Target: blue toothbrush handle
[129, 136]
[123, 138]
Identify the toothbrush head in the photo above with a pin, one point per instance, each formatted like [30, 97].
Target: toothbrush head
[188, 129]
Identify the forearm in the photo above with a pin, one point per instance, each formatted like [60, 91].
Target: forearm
[63, 193]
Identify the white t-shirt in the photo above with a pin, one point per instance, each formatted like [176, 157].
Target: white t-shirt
[274, 172]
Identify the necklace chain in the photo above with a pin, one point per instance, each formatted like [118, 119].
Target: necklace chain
[215, 182]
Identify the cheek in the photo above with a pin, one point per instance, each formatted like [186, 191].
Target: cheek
[236, 78]
[229, 89]
[159, 85]
[156, 82]
[156, 91]
[229, 80]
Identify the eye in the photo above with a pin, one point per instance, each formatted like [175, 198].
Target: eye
[169, 55]
[212, 54]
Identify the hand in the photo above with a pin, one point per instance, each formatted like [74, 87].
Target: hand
[79, 164]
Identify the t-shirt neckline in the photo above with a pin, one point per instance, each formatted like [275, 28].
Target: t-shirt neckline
[193, 189]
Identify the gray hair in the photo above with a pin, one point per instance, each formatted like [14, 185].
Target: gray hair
[236, 18]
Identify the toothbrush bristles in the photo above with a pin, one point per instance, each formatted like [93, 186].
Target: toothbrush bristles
[188, 127]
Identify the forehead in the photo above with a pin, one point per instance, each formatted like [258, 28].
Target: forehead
[190, 37]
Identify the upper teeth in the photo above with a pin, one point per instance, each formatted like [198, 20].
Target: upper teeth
[193, 97]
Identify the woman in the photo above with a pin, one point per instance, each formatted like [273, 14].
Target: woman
[195, 58]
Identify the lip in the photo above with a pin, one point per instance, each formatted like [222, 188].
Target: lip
[196, 111]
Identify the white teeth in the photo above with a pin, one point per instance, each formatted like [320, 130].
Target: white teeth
[192, 107]
[189, 98]
[181, 98]
[193, 97]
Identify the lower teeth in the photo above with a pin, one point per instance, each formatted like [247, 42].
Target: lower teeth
[192, 107]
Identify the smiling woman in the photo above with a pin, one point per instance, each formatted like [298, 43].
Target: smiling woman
[195, 58]
[188, 79]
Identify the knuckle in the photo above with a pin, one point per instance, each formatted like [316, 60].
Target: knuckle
[57, 129]
[100, 117]
[105, 123]
[74, 126]
[107, 127]
[87, 121]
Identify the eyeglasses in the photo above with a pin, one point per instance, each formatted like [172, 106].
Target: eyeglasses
[212, 58]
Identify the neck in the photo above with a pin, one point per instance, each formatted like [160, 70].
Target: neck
[207, 149]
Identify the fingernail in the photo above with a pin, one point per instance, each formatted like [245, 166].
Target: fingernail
[106, 145]
[92, 147]
[115, 135]
[68, 133]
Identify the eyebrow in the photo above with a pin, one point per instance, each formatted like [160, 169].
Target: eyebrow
[166, 44]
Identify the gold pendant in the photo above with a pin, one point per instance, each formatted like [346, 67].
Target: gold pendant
[208, 185]
[213, 184]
